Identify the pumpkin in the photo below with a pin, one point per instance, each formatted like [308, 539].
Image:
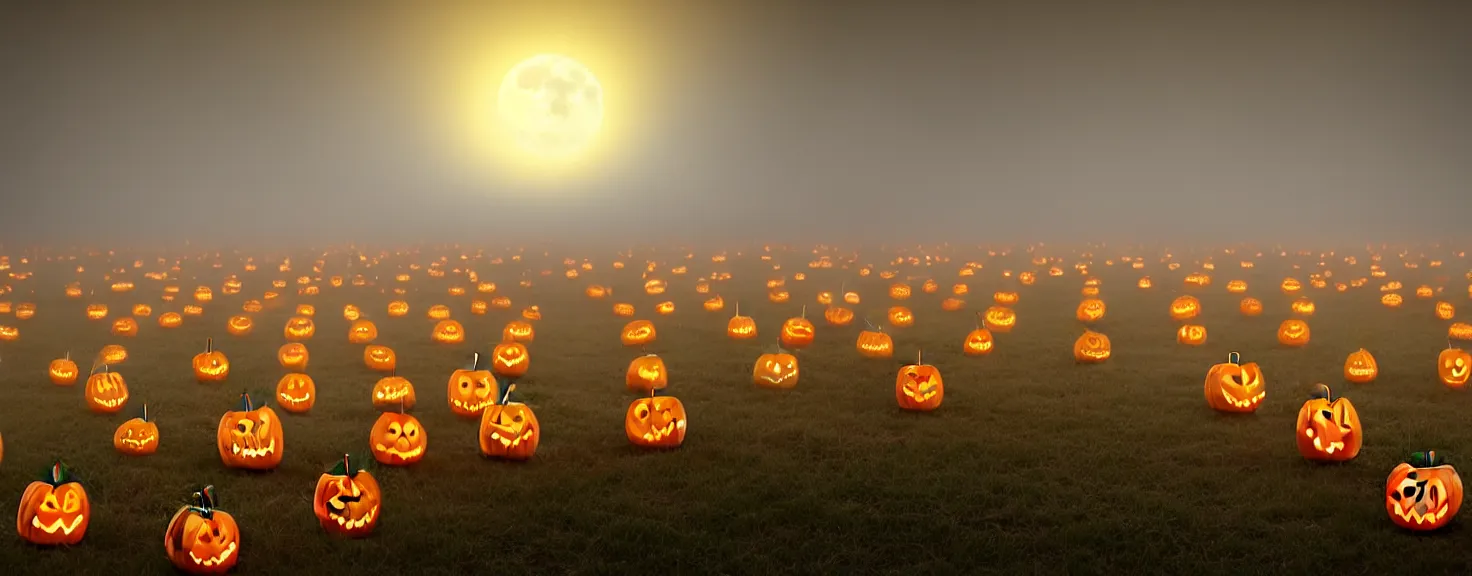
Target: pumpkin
[1191, 334]
[471, 389]
[623, 309]
[510, 359]
[250, 437]
[397, 308]
[137, 436]
[509, 430]
[379, 358]
[1291, 285]
[293, 356]
[1091, 348]
[918, 386]
[1445, 310]
[142, 310]
[838, 316]
[113, 354]
[646, 373]
[54, 510]
[715, 304]
[900, 317]
[362, 331]
[899, 291]
[398, 439]
[851, 298]
[1303, 306]
[1236, 286]
[239, 325]
[1454, 365]
[1145, 283]
[203, 294]
[96, 311]
[201, 539]
[825, 298]
[656, 421]
[306, 310]
[775, 370]
[351, 313]
[999, 319]
[170, 320]
[1293, 332]
[1360, 367]
[518, 331]
[125, 327]
[1090, 310]
[952, 304]
[1391, 300]
[393, 390]
[478, 307]
[1185, 308]
[637, 333]
[448, 332]
[1006, 298]
[63, 371]
[1423, 493]
[874, 343]
[347, 500]
[1251, 307]
[106, 391]
[438, 312]
[797, 332]
[979, 341]
[299, 328]
[1235, 387]
[1329, 428]
[1459, 331]
[211, 365]
[296, 393]
[741, 327]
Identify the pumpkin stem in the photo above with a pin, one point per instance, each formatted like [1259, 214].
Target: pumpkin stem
[738, 307]
[347, 466]
[919, 357]
[401, 406]
[1234, 358]
[144, 417]
[209, 345]
[506, 397]
[804, 310]
[474, 361]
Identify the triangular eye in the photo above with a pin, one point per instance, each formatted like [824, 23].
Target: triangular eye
[1326, 414]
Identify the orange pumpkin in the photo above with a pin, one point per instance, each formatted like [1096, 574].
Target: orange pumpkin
[637, 333]
[398, 439]
[1235, 387]
[1251, 307]
[1360, 367]
[1293, 332]
[509, 430]
[201, 539]
[63, 371]
[797, 332]
[518, 331]
[136, 437]
[393, 391]
[1185, 308]
[239, 325]
[380, 358]
[347, 500]
[656, 422]
[250, 437]
[1424, 493]
[1328, 428]
[838, 316]
[54, 510]
[510, 359]
[448, 332]
[211, 365]
[646, 373]
[900, 317]
[775, 370]
[299, 328]
[1454, 365]
[874, 343]
[1191, 334]
[106, 392]
[1090, 310]
[918, 386]
[999, 319]
[979, 341]
[1092, 348]
[471, 389]
[293, 356]
[296, 393]
[741, 327]
[362, 331]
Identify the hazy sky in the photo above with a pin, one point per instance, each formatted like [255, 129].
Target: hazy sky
[792, 120]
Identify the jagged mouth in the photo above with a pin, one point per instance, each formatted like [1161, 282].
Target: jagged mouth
[919, 396]
[299, 400]
[513, 440]
[391, 395]
[1248, 403]
[351, 524]
[1333, 446]
[138, 442]
[471, 407]
[1419, 517]
[411, 453]
[657, 434]
[248, 452]
[778, 379]
[110, 402]
[215, 561]
[1359, 372]
[58, 525]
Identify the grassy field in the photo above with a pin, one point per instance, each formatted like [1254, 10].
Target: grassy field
[1033, 465]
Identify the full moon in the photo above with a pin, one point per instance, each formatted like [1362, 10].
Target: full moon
[551, 104]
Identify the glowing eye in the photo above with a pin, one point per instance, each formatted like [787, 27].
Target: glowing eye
[517, 419]
[71, 503]
[464, 385]
[49, 504]
[411, 430]
[393, 429]
[1326, 414]
[641, 412]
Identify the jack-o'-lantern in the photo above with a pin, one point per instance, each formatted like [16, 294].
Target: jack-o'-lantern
[899, 291]
[250, 437]
[1291, 285]
[952, 304]
[1091, 348]
[825, 298]
[999, 319]
[113, 354]
[518, 331]
[1424, 493]
[136, 437]
[307, 310]
[106, 392]
[351, 313]
[1293, 332]
[1145, 283]
[201, 539]
[1329, 428]
[665, 308]
[741, 327]
[125, 326]
[510, 359]
[380, 358]
[1424, 292]
[203, 294]
[1251, 307]
[252, 306]
[779, 296]
[1445, 310]
[1005, 298]
[715, 304]
[646, 373]
[1235, 387]
[9, 333]
[211, 365]
[448, 332]
[1090, 310]
[1191, 334]
[347, 500]
[393, 390]
[63, 371]
[1392, 300]
[775, 370]
[398, 439]
[637, 333]
[1360, 367]
[874, 343]
[595, 292]
[471, 389]
[478, 307]
[142, 310]
[96, 311]
[960, 289]
[293, 356]
[55, 510]
[623, 309]
[509, 430]
[438, 312]
[239, 325]
[918, 386]
[1454, 365]
[398, 308]
[296, 393]
[979, 341]
[299, 328]
[170, 320]
[656, 421]
[797, 332]
[1236, 286]
[1185, 308]
[900, 317]
[362, 331]
[192, 310]
[1303, 306]
[838, 316]
[851, 298]
[1459, 331]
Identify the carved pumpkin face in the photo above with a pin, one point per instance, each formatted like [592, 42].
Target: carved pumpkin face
[393, 391]
[1445, 310]
[637, 333]
[170, 320]
[851, 298]
[380, 358]
[978, 342]
[351, 313]
[62, 371]
[106, 392]
[1459, 331]
[299, 328]
[776, 370]
[54, 511]
[1424, 494]
[296, 393]
[999, 319]
[1392, 300]
[1005, 298]
[448, 332]
[1236, 286]
[1145, 283]
[741, 327]
[250, 437]
[113, 354]
[646, 373]
[292, 356]
[397, 308]
[239, 325]
[901, 317]
[126, 327]
[1454, 365]
[1191, 334]
[362, 331]
[797, 333]
[1360, 367]
[918, 387]
[1303, 306]
[1090, 310]
[1293, 332]
[136, 437]
[471, 390]
[1251, 307]
[838, 316]
[1291, 285]
[1091, 348]
[1185, 308]
[518, 331]
[875, 344]
[347, 500]
[656, 422]
[201, 539]
[510, 359]
[623, 309]
[398, 439]
[715, 304]
[509, 431]
[96, 311]
[1234, 387]
[899, 291]
[779, 296]
[211, 365]
[1328, 428]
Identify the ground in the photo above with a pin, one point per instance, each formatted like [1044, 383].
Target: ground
[1034, 464]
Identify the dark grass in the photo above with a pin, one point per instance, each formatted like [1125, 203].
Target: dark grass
[1033, 464]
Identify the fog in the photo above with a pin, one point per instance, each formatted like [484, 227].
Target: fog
[280, 122]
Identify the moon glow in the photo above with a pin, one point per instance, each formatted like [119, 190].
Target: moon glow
[551, 105]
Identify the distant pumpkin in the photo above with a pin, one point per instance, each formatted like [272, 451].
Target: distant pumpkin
[136, 437]
[296, 393]
[293, 356]
[775, 370]
[1454, 365]
[1293, 332]
[646, 373]
[1092, 348]
[1191, 334]
[1328, 428]
[1360, 367]
[918, 386]
[380, 358]
[398, 439]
